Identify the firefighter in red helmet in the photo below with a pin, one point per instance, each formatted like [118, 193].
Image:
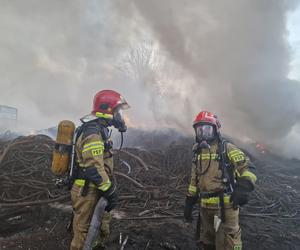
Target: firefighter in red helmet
[221, 182]
[93, 175]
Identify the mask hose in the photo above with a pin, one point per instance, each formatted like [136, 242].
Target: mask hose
[209, 162]
[122, 140]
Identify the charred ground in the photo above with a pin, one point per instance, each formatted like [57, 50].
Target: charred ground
[152, 182]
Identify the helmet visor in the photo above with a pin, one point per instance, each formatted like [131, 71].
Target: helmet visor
[118, 120]
[122, 104]
[205, 132]
[118, 114]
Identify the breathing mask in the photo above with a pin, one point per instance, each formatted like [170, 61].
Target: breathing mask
[118, 121]
[205, 133]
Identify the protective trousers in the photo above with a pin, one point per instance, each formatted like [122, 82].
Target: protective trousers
[228, 234]
[83, 207]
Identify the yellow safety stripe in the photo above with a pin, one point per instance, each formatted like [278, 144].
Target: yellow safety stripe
[93, 145]
[98, 149]
[215, 200]
[234, 152]
[250, 175]
[236, 156]
[192, 189]
[103, 115]
[208, 156]
[81, 182]
[105, 186]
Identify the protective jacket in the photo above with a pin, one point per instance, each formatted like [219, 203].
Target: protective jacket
[93, 157]
[206, 174]
[93, 172]
[218, 217]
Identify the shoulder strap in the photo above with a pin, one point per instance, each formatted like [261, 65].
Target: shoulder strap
[195, 150]
[93, 127]
[227, 170]
[222, 151]
[225, 151]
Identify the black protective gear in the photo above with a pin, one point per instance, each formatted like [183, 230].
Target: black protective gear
[245, 184]
[190, 201]
[108, 145]
[97, 126]
[240, 195]
[111, 196]
[90, 174]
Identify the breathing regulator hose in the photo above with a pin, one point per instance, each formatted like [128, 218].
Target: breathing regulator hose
[204, 145]
[122, 141]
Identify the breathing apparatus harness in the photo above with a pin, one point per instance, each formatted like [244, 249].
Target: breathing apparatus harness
[227, 175]
[197, 151]
[97, 126]
[224, 165]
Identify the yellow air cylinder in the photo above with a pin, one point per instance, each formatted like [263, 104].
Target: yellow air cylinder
[63, 147]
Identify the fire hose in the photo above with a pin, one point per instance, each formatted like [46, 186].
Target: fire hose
[95, 223]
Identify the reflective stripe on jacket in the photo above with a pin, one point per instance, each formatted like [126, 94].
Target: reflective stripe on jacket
[90, 153]
[211, 180]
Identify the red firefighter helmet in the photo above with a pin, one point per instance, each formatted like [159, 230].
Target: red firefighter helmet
[205, 117]
[107, 102]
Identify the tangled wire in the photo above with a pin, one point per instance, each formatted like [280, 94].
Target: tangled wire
[152, 183]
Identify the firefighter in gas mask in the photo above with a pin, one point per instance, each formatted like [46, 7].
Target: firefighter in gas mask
[92, 177]
[221, 182]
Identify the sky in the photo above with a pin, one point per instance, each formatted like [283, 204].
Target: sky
[169, 59]
[293, 26]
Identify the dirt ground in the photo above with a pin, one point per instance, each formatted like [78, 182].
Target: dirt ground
[152, 219]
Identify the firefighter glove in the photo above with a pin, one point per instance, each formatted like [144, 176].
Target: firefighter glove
[111, 196]
[190, 201]
[240, 195]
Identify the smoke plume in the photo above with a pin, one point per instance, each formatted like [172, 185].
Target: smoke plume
[170, 59]
[238, 55]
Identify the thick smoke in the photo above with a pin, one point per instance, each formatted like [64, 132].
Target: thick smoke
[238, 54]
[55, 55]
[170, 59]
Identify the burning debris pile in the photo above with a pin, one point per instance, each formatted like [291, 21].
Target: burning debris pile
[152, 184]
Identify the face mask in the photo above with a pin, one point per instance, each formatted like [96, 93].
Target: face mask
[205, 132]
[204, 145]
[118, 121]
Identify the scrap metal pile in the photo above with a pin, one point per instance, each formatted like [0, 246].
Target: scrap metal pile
[152, 184]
